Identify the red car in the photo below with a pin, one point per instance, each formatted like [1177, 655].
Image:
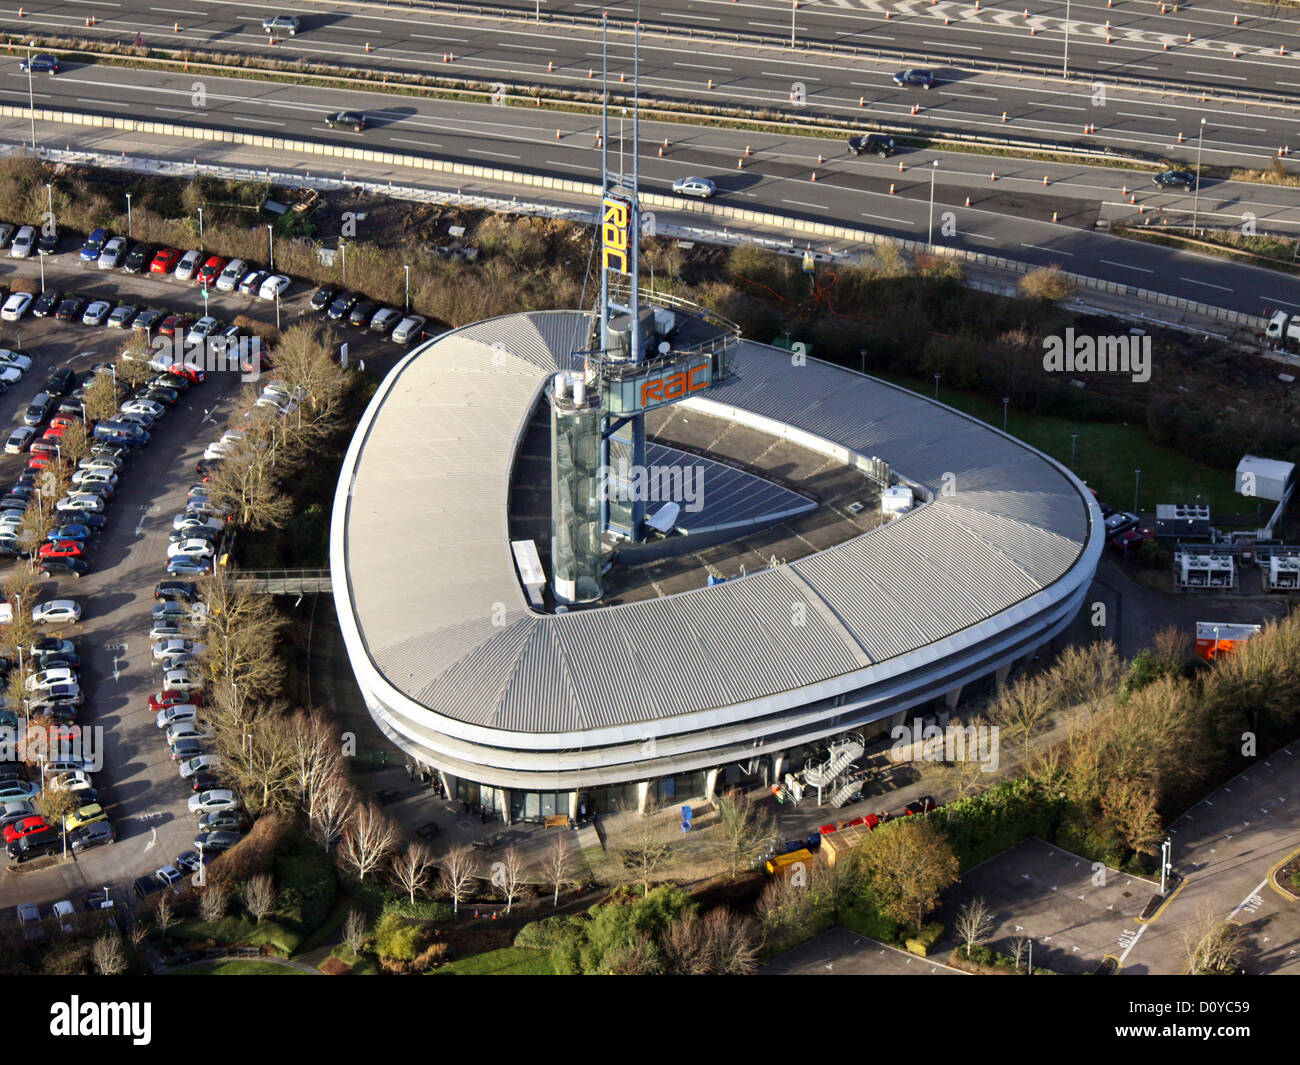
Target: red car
[162, 700]
[175, 323]
[1130, 538]
[165, 261]
[64, 421]
[189, 371]
[24, 827]
[210, 270]
[39, 462]
[61, 549]
[922, 805]
[54, 432]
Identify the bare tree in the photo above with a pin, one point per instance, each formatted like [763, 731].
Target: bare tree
[213, 900]
[132, 367]
[164, 916]
[246, 482]
[240, 641]
[974, 923]
[329, 810]
[1021, 708]
[457, 875]
[1019, 948]
[317, 757]
[259, 895]
[369, 838]
[648, 851]
[746, 829]
[1212, 946]
[508, 875]
[411, 869]
[556, 866]
[259, 755]
[354, 930]
[108, 954]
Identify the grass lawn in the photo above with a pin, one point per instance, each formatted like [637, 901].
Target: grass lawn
[508, 961]
[239, 930]
[329, 928]
[1105, 456]
[239, 968]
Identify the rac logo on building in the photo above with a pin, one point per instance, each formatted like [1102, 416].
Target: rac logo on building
[674, 385]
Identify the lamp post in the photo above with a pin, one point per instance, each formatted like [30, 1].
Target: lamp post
[1196, 191]
[270, 246]
[31, 96]
[1074, 439]
[1065, 60]
[128, 215]
[199, 880]
[1137, 477]
[407, 270]
[200, 210]
[929, 244]
[1006, 400]
[343, 262]
[794, 6]
[936, 386]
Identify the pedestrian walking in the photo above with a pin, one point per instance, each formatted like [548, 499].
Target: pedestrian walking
[139, 39]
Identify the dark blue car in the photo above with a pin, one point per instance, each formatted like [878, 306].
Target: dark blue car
[94, 245]
[41, 63]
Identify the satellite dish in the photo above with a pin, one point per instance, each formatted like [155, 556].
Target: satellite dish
[665, 517]
[664, 347]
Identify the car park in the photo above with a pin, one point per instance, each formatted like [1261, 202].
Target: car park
[111, 256]
[18, 304]
[699, 188]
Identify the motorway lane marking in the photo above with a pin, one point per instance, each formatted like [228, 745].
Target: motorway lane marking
[1157, 118]
[702, 66]
[574, 166]
[1051, 251]
[495, 155]
[800, 203]
[1126, 266]
[702, 18]
[1207, 284]
[1224, 77]
[421, 144]
[528, 47]
[105, 103]
[172, 11]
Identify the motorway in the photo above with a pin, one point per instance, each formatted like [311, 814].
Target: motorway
[1010, 216]
[719, 73]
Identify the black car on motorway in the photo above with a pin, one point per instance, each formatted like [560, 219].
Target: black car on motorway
[354, 121]
[1175, 179]
[881, 144]
[915, 76]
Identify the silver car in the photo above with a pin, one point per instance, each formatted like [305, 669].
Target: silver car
[699, 187]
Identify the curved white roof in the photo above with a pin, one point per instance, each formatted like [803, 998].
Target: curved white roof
[420, 528]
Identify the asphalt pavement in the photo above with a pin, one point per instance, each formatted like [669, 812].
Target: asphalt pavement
[679, 65]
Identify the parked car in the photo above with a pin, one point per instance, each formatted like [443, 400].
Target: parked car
[36, 845]
[175, 714]
[187, 265]
[47, 303]
[210, 270]
[94, 834]
[323, 297]
[24, 243]
[19, 440]
[216, 799]
[57, 612]
[231, 274]
[164, 261]
[111, 257]
[16, 306]
[123, 315]
[93, 245]
[408, 329]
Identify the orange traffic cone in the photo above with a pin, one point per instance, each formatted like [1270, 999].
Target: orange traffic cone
[891, 188]
[814, 176]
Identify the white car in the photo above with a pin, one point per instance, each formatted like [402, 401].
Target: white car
[192, 548]
[10, 375]
[16, 306]
[19, 440]
[66, 914]
[195, 521]
[181, 680]
[273, 287]
[47, 678]
[408, 328]
[202, 329]
[187, 729]
[230, 277]
[170, 716]
[203, 761]
[12, 519]
[24, 243]
[167, 629]
[215, 799]
[189, 263]
[107, 477]
[150, 407]
[57, 612]
[20, 362]
[175, 646]
[93, 504]
[75, 780]
[112, 254]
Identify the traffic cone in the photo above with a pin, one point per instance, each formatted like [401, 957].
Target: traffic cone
[891, 188]
[1189, 38]
[590, 73]
[1053, 216]
[557, 135]
[900, 168]
[1033, 31]
[1124, 191]
[967, 201]
[1234, 20]
[21, 13]
[862, 100]
[740, 163]
[889, 14]
[819, 158]
[661, 153]
[710, 83]
[993, 175]
[747, 151]
[1044, 181]
[665, 142]
[537, 99]
[176, 27]
[622, 77]
[1165, 46]
[814, 176]
[550, 66]
[1180, 138]
[367, 46]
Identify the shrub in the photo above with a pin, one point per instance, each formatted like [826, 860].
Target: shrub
[396, 939]
[1047, 283]
[922, 943]
[544, 934]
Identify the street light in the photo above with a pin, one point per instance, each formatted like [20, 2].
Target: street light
[270, 246]
[1005, 401]
[128, 215]
[200, 210]
[407, 271]
[31, 96]
[1065, 61]
[794, 6]
[1074, 439]
[1137, 477]
[929, 244]
[936, 386]
[343, 262]
[1196, 191]
[199, 880]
